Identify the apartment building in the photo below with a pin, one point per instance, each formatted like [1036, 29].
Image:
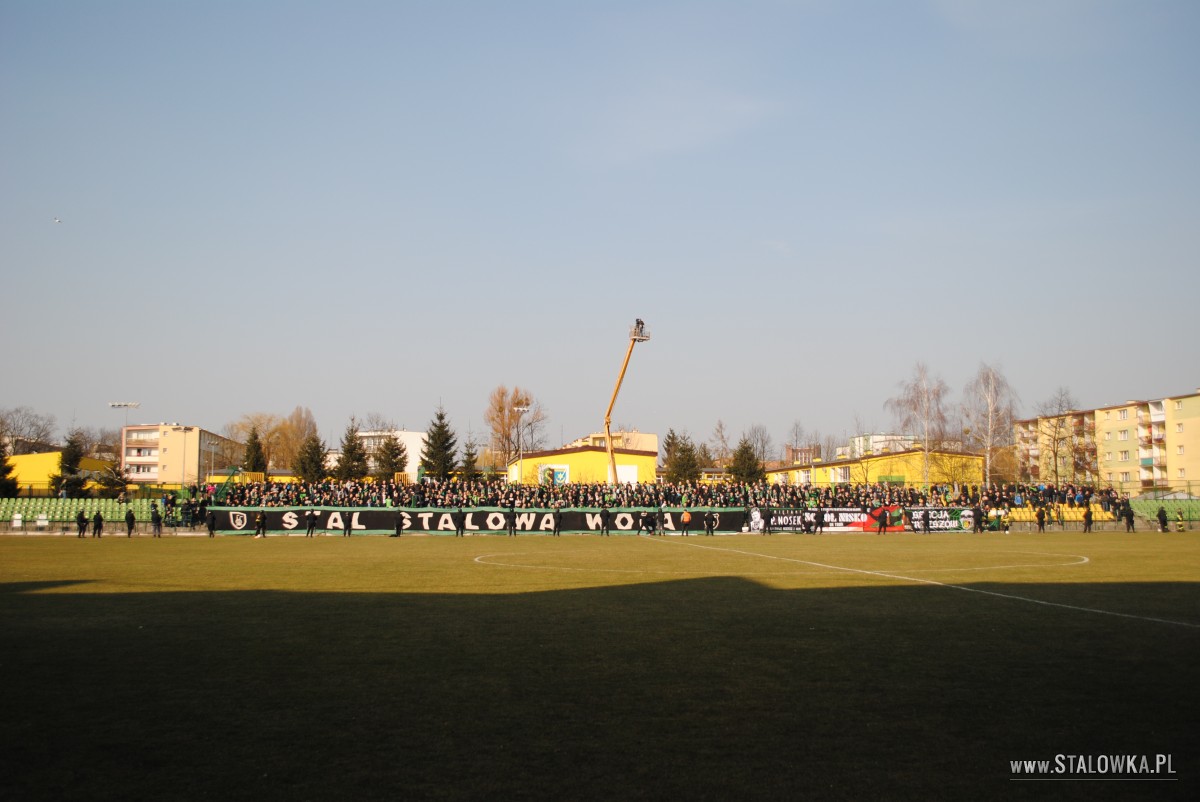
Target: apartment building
[1135, 446]
[173, 454]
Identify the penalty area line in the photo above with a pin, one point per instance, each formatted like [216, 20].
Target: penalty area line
[935, 583]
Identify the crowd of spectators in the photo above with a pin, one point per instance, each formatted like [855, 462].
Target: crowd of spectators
[500, 494]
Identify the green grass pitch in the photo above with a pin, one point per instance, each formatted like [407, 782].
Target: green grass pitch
[738, 667]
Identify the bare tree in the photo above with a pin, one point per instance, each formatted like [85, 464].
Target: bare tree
[920, 409]
[515, 419]
[795, 442]
[292, 431]
[27, 431]
[267, 425]
[1068, 436]
[374, 422]
[760, 441]
[719, 445]
[988, 408]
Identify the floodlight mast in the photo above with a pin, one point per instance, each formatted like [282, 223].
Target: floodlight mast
[637, 334]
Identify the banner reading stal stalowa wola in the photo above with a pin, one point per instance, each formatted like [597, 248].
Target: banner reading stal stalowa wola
[491, 520]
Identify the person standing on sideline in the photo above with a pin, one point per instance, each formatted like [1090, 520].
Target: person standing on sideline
[210, 520]
[819, 522]
[1041, 519]
[767, 514]
[556, 518]
[604, 516]
[82, 522]
[1178, 520]
[130, 522]
[310, 523]
[710, 522]
[925, 521]
[97, 524]
[399, 524]
[260, 525]
[883, 520]
[1127, 514]
[460, 521]
[686, 520]
[346, 525]
[1162, 519]
[155, 521]
[1087, 518]
[510, 522]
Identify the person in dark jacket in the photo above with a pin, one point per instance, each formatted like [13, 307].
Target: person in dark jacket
[130, 522]
[1162, 519]
[1087, 518]
[604, 517]
[710, 522]
[97, 524]
[82, 522]
[556, 518]
[155, 521]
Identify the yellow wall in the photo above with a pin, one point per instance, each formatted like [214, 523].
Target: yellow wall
[585, 465]
[906, 467]
[36, 469]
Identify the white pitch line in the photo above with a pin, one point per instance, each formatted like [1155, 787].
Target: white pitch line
[946, 585]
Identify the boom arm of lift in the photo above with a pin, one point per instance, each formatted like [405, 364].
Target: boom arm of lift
[636, 335]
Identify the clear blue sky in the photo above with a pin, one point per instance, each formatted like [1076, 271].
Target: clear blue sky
[376, 206]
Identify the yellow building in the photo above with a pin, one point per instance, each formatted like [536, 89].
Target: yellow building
[1128, 445]
[1181, 441]
[174, 455]
[899, 468]
[1057, 449]
[582, 464]
[33, 471]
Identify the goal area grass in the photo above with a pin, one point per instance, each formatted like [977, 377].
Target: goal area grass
[736, 667]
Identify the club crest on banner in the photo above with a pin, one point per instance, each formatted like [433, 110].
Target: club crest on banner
[237, 520]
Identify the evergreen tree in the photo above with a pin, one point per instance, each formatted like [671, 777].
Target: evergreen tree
[8, 484]
[469, 471]
[390, 459]
[441, 444]
[744, 466]
[669, 444]
[255, 460]
[310, 460]
[705, 457]
[353, 463]
[69, 478]
[684, 464]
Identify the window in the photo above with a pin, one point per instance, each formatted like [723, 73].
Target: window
[1123, 414]
[1124, 456]
[1108, 476]
[1107, 436]
[1108, 414]
[1182, 473]
[1179, 428]
[1121, 435]
[1178, 405]
[1124, 476]
[1179, 450]
[1108, 457]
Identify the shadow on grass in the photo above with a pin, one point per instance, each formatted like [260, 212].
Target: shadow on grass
[699, 689]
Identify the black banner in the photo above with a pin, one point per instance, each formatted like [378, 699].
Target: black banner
[475, 521]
